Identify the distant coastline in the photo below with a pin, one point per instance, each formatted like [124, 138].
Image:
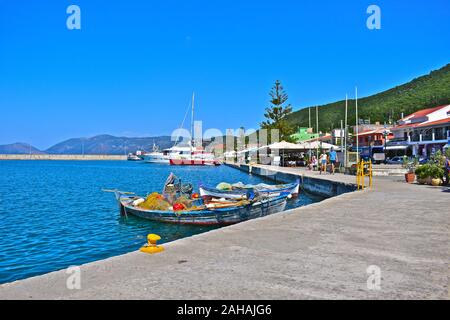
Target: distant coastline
[61, 157]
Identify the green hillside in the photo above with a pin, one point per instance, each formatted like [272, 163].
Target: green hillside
[427, 91]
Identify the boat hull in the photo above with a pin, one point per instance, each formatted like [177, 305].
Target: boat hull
[193, 162]
[162, 159]
[206, 192]
[224, 216]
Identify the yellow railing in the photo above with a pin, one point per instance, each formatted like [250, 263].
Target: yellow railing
[364, 169]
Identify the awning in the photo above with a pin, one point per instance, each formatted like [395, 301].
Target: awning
[283, 145]
[396, 147]
[318, 145]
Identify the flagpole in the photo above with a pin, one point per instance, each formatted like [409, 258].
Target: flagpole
[342, 141]
[345, 131]
[318, 134]
[192, 122]
[309, 127]
[357, 125]
[309, 110]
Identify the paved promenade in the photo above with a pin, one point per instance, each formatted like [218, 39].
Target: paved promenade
[321, 251]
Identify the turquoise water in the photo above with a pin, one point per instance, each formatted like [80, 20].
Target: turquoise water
[53, 214]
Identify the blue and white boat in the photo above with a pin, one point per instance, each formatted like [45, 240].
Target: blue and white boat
[240, 191]
[206, 215]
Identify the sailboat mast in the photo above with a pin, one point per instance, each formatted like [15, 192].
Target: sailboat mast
[192, 120]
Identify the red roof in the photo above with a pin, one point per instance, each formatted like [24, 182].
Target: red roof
[409, 125]
[423, 112]
[433, 123]
[377, 131]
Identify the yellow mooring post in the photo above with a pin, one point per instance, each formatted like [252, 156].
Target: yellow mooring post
[151, 246]
[357, 174]
[364, 169]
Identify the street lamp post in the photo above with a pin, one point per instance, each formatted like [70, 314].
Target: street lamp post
[385, 134]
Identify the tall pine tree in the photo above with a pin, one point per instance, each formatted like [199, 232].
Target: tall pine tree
[277, 112]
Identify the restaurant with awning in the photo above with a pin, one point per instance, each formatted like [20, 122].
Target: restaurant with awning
[283, 153]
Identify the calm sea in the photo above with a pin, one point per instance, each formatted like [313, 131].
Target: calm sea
[53, 214]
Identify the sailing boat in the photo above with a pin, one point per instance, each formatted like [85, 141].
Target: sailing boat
[193, 156]
[182, 155]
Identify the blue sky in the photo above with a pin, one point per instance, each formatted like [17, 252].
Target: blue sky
[132, 67]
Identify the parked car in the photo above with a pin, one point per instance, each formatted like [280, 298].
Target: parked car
[395, 160]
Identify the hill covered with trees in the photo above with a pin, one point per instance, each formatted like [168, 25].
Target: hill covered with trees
[424, 92]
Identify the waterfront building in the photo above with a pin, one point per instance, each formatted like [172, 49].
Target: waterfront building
[377, 137]
[304, 134]
[422, 133]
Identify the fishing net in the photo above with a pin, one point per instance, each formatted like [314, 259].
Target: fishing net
[185, 201]
[224, 186]
[155, 201]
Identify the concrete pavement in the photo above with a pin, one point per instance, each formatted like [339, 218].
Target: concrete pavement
[321, 251]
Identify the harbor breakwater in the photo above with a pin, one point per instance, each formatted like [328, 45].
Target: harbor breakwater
[61, 157]
[321, 187]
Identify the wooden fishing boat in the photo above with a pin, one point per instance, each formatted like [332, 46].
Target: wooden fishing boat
[206, 216]
[242, 193]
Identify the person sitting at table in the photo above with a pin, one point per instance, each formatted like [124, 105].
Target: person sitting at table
[313, 164]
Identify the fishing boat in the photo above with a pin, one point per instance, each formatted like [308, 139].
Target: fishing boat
[241, 191]
[205, 215]
[156, 157]
[178, 204]
[164, 156]
[133, 157]
[194, 157]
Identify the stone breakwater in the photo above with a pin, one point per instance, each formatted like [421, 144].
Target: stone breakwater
[61, 157]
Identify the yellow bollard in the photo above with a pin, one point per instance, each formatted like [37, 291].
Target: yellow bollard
[151, 246]
[363, 172]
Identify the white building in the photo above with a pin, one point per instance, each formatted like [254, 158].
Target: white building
[423, 132]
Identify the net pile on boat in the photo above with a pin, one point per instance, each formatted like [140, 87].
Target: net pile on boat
[155, 201]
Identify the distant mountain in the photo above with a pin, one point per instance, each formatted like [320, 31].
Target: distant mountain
[107, 144]
[19, 148]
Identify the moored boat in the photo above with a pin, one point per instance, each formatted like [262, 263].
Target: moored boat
[178, 204]
[133, 157]
[156, 157]
[204, 215]
[240, 191]
[194, 157]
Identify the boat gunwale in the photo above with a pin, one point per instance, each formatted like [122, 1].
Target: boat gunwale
[243, 190]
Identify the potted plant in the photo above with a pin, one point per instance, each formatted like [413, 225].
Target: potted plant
[410, 176]
[422, 174]
[436, 175]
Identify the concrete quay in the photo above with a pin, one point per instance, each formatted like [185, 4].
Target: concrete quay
[320, 251]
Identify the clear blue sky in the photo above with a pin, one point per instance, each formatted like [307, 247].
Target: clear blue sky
[132, 67]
